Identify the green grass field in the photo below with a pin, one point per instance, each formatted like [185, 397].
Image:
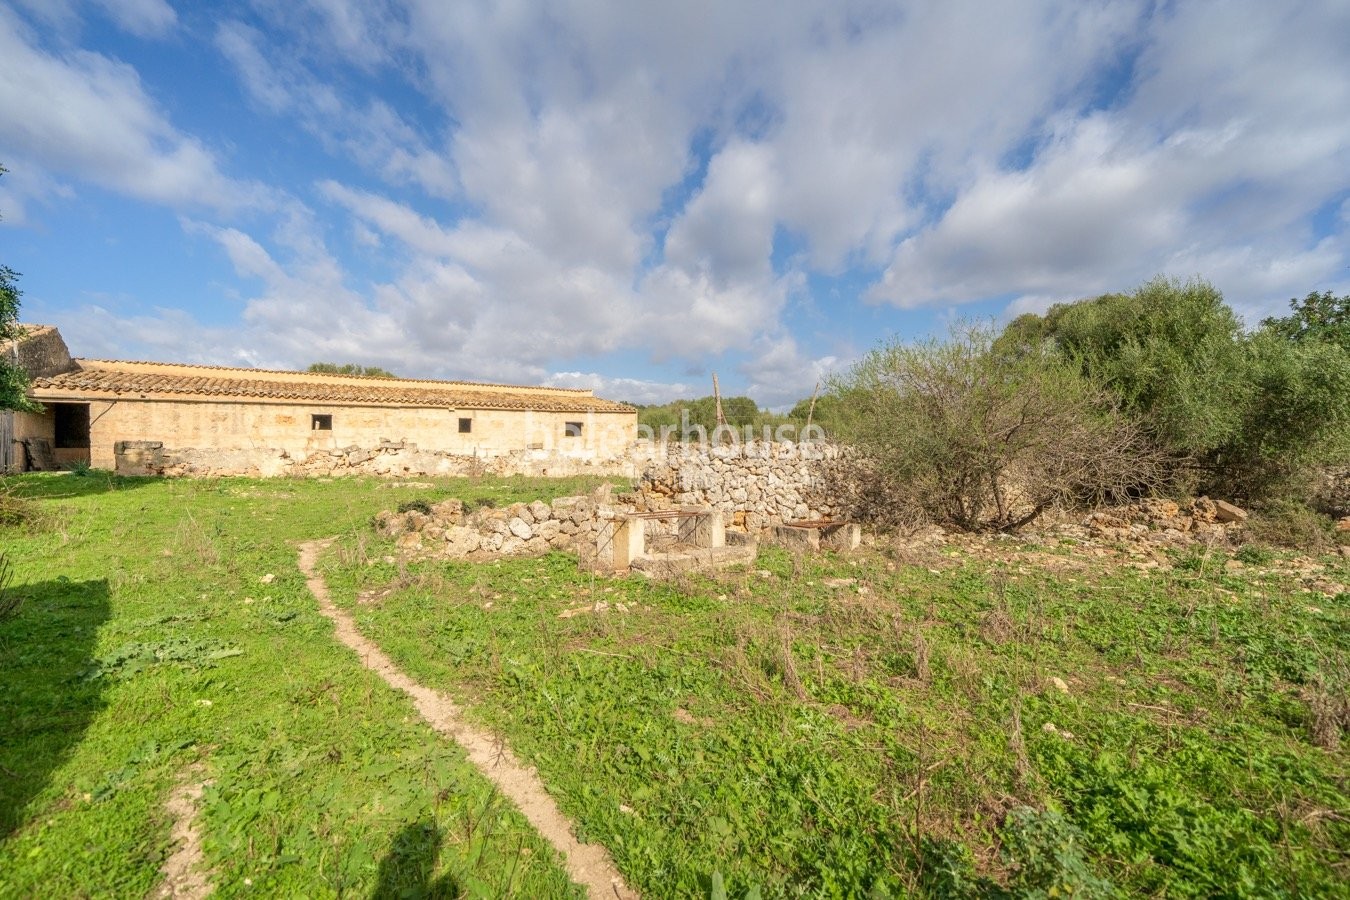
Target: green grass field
[885, 724]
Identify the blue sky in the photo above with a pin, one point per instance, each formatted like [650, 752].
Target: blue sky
[631, 195]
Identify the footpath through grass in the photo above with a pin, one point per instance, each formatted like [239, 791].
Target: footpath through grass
[886, 725]
[165, 624]
[880, 725]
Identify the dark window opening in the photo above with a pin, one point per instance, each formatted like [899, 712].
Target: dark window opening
[465, 426]
[321, 423]
[72, 425]
[572, 429]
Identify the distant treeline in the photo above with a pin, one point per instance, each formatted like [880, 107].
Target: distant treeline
[683, 418]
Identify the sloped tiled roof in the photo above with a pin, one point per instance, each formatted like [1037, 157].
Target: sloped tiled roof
[112, 379]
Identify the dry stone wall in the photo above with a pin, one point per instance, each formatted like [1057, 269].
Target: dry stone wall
[450, 529]
[388, 459]
[757, 484]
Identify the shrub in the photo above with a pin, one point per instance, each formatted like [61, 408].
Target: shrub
[1251, 416]
[1290, 523]
[962, 433]
[1168, 351]
[1046, 853]
[422, 506]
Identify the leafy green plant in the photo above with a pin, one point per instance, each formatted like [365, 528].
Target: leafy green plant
[1047, 855]
[138, 656]
[80, 468]
[1254, 554]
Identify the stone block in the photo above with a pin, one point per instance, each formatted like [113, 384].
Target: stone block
[706, 529]
[795, 538]
[843, 536]
[139, 457]
[630, 541]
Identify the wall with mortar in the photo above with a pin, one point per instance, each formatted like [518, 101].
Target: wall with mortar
[756, 484]
[248, 438]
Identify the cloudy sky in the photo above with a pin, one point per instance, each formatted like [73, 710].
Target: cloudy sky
[632, 195]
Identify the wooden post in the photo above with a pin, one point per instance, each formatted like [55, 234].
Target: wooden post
[717, 398]
[721, 417]
[811, 410]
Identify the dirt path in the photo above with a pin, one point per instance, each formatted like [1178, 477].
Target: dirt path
[184, 878]
[588, 864]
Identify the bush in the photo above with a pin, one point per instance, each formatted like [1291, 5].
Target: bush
[961, 433]
[1250, 416]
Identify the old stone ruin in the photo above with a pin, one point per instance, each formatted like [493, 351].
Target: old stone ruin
[698, 508]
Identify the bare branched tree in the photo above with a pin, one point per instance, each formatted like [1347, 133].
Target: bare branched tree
[956, 432]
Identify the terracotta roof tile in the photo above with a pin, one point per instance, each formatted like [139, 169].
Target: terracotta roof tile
[103, 378]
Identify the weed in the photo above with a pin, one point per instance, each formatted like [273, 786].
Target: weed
[132, 658]
[16, 511]
[1328, 712]
[1046, 853]
[10, 602]
[1291, 524]
[922, 652]
[1254, 555]
[80, 468]
[787, 662]
[421, 506]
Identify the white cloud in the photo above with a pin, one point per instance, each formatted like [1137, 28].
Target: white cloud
[372, 133]
[143, 18]
[631, 390]
[85, 115]
[1229, 142]
[540, 183]
[779, 374]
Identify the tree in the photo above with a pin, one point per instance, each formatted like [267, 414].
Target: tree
[1317, 317]
[13, 380]
[956, 432]
[1249, 415]
[328, 368]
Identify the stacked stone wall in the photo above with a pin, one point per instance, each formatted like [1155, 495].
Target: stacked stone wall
[756, 485]
[451, 529]
[396, 459]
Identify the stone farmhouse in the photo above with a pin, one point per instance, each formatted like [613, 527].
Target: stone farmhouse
[187, 419]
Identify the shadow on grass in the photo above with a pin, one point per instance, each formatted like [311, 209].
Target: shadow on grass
[64, 485]
[45, 704]
[406, 871]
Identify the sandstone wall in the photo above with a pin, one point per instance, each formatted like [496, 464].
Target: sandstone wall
[396, 459]
[251, 436]
[756, 484]
[41, 352]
